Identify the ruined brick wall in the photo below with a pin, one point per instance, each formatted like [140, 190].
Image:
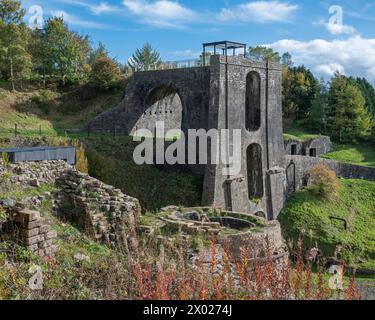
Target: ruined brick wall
[28, 229]
[33, 173]
[101, 211]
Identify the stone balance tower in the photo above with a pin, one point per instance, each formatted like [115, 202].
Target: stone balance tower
[230, 92]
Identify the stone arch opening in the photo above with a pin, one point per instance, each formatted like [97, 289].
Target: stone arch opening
[253, 101]
[255, 171]
[162, 103]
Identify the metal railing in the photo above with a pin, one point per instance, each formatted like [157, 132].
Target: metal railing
[170, 65]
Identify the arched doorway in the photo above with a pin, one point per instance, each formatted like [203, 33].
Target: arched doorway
[255, 171]
[163, 103]
[253, 101]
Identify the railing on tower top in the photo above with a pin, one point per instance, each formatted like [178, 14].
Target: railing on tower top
[169, 65]
[182, 64]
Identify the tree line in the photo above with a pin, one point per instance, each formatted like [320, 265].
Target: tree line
[58, 54]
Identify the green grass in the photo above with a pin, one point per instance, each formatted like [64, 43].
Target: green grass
[296, 134]
[111, 160]
[308, 216]
[359, 154]
[53, 112]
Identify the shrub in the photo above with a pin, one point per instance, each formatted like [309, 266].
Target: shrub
[105, 73]
[324, 182]
[82, 162]
[5, 158]
[44, 100]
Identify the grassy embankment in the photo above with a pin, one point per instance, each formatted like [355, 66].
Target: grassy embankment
[314, 219]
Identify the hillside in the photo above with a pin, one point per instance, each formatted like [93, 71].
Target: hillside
[315, 220]
[53, 111]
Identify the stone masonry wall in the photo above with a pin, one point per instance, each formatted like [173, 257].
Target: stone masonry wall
[101, 211]
[343, 170]
[34, 173]
[28, 229]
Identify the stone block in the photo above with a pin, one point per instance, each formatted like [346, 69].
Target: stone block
[44, 228]
[25, 216]
[33, 240]
[33, 247]
[29, 233]
[33, 224]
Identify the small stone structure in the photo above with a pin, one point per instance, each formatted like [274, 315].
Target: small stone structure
[311, 148]
[27, 228]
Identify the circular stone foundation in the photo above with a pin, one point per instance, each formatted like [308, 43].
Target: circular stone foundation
[233, 223]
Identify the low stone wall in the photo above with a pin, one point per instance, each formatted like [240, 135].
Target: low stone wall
[343, 170]
[34, 173]
[101, 211]
[28, 229]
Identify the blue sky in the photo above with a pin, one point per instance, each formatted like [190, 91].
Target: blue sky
[314, 35]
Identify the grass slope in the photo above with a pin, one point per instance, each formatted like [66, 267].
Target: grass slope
[111, 160]
[308, 216]
[296, 134]
[54, 111]
[360, 154]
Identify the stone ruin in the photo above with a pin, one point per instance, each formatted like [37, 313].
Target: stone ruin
[232, 92]
[101, 211]
[28, 229]
[231, 230]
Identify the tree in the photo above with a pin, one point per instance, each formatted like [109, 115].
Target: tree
[100, 52]
[299, 90]
[144, 59]
[65, 51]
[286, 60]
[348, 117]
[260, 53]
[15, 62]
[105, 72]
[11, 12]
[368, 92]
[317, 117]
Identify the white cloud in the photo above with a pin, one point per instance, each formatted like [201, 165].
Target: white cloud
[259, 11]
[77, 21]
[161, 13]
[354, 56]
[103, 7]
[336, 28]
[330, 69]
[96, 9]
